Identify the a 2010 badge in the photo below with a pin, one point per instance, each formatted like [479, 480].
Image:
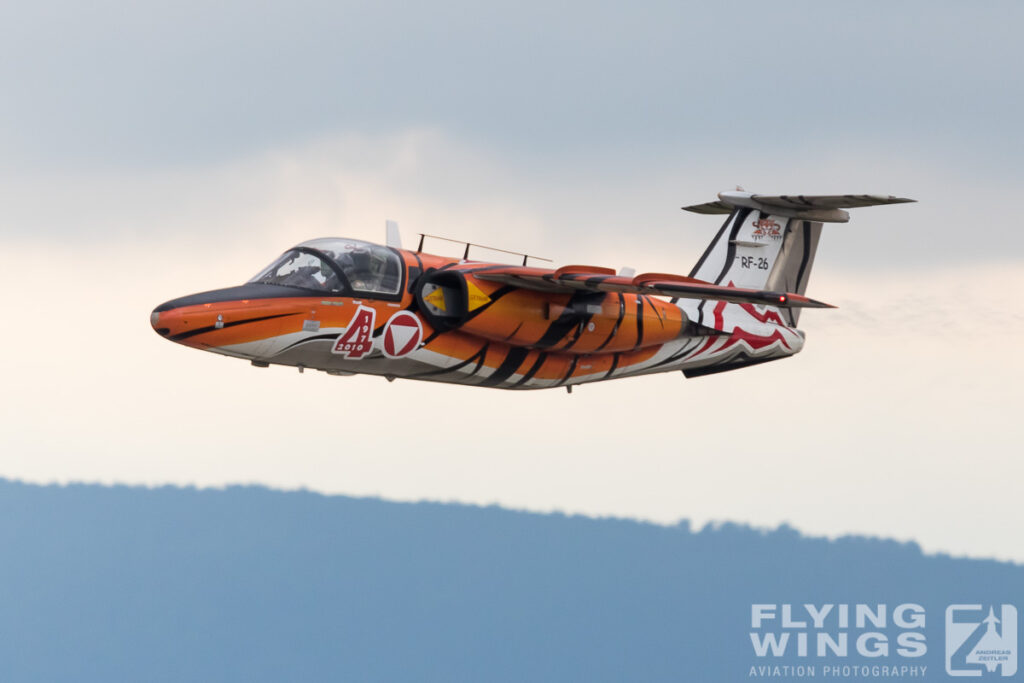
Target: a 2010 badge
[402, 334]
[357, 339]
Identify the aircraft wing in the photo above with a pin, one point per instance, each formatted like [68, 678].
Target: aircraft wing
[569, 279]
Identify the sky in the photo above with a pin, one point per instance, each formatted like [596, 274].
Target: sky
[151, 151]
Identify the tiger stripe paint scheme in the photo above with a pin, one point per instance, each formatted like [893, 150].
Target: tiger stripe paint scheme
[507, 327]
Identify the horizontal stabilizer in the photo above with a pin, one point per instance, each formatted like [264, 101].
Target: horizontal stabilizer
[709, 208]
[570, 279]
[822, 208]
[828, 201]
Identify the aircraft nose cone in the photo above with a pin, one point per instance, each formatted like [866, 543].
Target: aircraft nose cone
[154, 320]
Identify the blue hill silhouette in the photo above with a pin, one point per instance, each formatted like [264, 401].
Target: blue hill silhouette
[251, 584]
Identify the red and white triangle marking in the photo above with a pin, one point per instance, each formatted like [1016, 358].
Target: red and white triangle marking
[402, 334]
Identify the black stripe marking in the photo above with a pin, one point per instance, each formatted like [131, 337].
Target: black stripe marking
[801, 287]
[639, 321]
[319, 337]
[541, 357]
[210, 328]
[478, 358]
[252, 290]
[481, 269]
[578, 332]
[413, 280]
[678, 355]
[711, 247]
[515, 357]
[513, 332]
[564, 324]
[615, 364]
[494, 296]
[742, 361]
[572, 369]
[615, 328]
[433, 335]
[730, 255]
[655, 309]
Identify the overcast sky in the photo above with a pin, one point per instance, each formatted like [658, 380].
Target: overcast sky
[153, 150]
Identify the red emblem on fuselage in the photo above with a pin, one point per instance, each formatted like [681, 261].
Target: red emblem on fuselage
[357, 339]
[402, 334]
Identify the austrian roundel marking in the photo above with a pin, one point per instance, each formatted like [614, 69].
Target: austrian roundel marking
[402, 334]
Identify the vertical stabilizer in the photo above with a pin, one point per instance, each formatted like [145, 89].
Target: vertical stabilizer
[745, 250]
[793, 265]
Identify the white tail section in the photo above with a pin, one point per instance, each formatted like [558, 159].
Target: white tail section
[744, 251]
[769, 241]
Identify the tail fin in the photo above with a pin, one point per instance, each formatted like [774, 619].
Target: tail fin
[769, 241]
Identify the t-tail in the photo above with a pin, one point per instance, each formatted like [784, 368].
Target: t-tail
[768, 241]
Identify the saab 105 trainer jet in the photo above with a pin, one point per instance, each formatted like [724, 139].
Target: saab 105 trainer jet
[346, 306]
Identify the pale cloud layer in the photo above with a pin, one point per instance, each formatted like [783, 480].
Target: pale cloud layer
[431, 182]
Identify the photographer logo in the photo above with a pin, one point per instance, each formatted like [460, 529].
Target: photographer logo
[981, 640]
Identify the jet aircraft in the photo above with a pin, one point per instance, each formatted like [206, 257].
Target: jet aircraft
[345, 306]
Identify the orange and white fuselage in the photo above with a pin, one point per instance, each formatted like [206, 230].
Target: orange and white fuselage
[350, 307]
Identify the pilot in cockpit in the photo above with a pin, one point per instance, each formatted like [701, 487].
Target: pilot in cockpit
[327, 263]
[362, 269]
[304, 270]
[361, 273]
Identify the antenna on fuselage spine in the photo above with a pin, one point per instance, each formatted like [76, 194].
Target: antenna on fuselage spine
[465, 252]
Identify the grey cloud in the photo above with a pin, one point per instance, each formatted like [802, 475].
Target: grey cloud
[598, 120]
[157, 83]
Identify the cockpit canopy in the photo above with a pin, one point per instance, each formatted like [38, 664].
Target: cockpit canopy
[337, 265]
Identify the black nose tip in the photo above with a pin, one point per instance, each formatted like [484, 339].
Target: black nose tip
[154, 320]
